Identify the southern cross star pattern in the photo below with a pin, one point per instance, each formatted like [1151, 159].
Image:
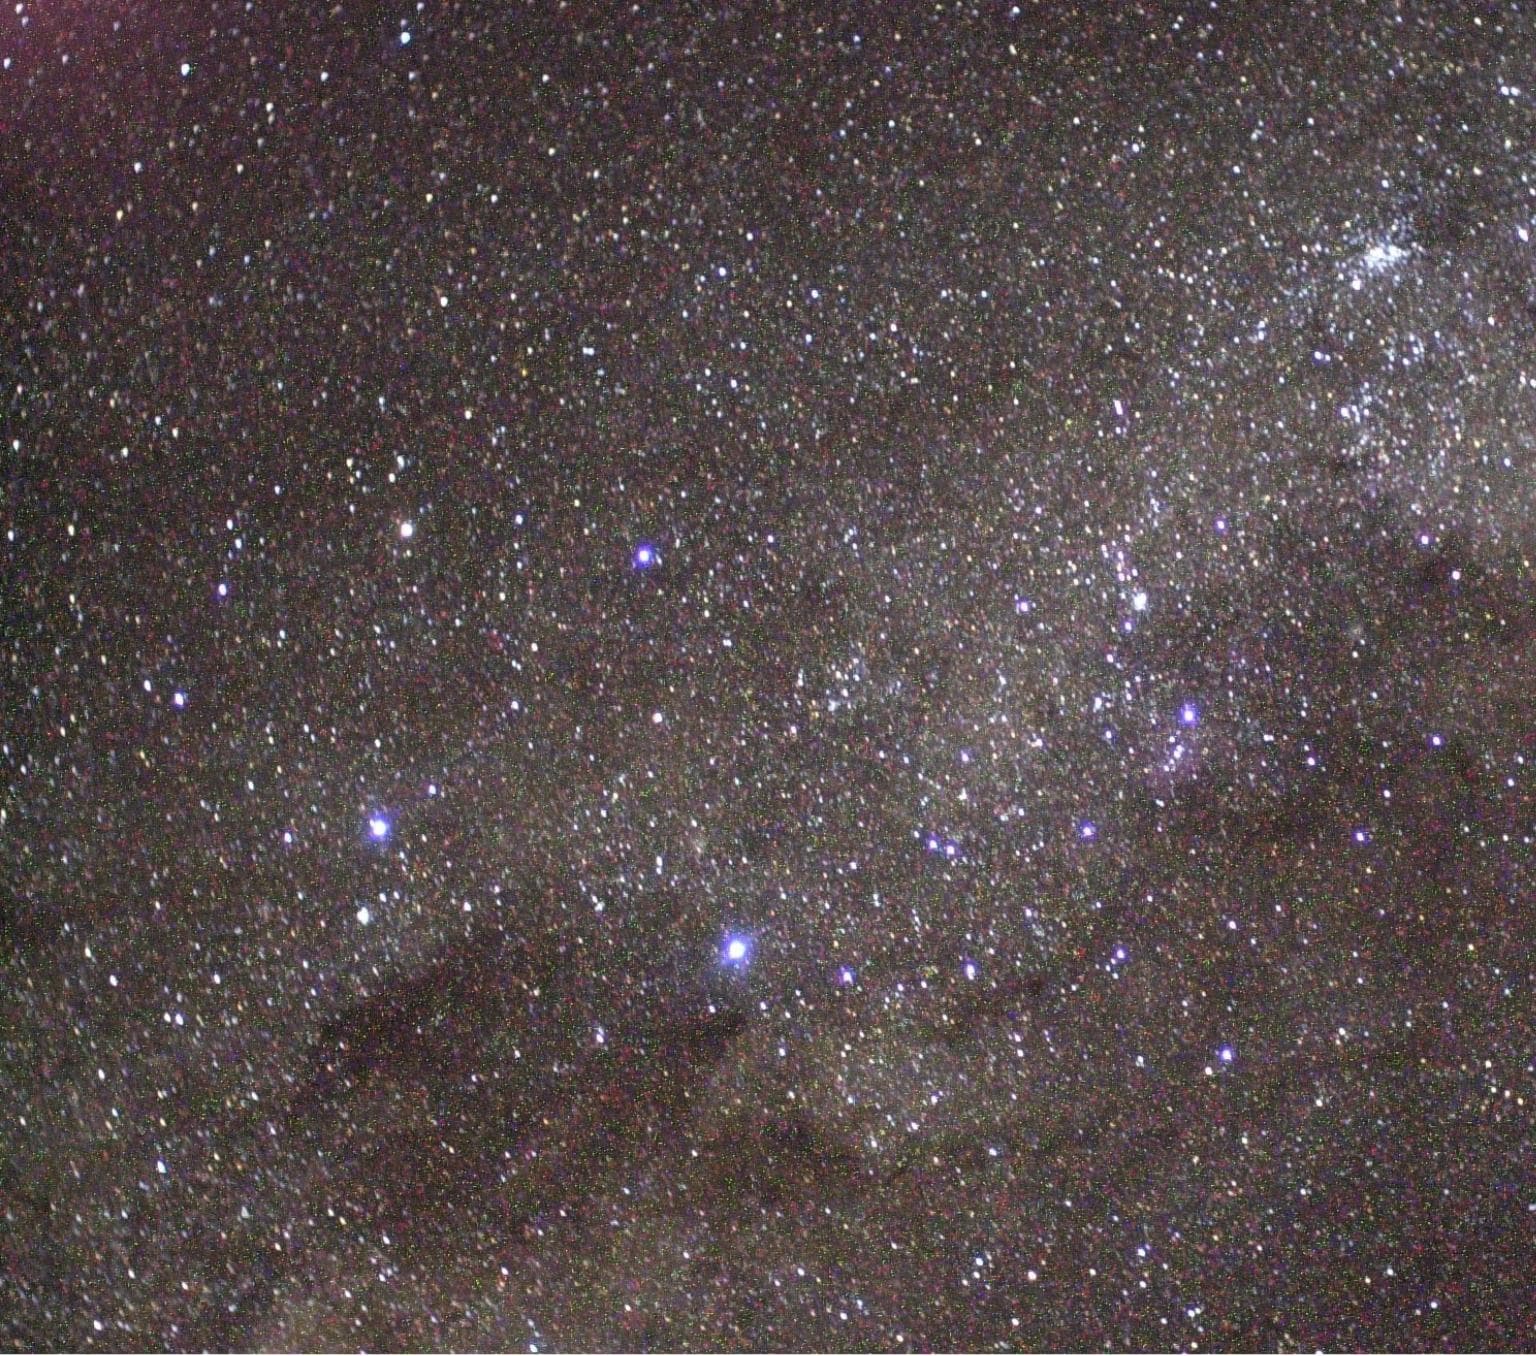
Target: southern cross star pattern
[761, 677]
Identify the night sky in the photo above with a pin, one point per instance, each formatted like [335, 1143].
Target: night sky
[730, 677]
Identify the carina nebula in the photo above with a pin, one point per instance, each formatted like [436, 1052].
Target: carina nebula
[774, 678]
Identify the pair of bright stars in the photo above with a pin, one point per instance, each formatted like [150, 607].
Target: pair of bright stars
[646, 555]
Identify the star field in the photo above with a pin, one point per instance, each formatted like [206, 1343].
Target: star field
[782, 677]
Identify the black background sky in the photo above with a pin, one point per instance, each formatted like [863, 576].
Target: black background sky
[767, 677]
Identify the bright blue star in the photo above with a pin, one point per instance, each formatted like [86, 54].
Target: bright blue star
[737, 950]
[646, 556]
[1087, 830]
[378, 828]
[1189, 714]
[942, 847]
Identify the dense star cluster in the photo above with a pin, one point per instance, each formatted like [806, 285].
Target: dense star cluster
[741, 677]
